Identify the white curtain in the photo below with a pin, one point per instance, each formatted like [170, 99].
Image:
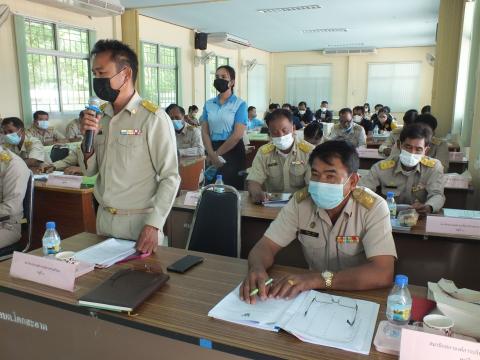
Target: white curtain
[309, 83]
[257, 88]
[394, 84]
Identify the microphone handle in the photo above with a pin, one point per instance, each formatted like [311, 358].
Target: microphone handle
[88, 142]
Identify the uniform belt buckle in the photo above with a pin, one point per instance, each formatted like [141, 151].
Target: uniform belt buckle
[112, 211]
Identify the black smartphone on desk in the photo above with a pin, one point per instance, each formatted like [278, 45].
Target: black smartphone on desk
[185, 263]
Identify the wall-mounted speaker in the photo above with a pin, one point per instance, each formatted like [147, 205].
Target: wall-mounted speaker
[201, 41]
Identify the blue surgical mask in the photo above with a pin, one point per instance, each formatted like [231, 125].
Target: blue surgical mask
[178, 124]
[326, 196]
[347, 130]
[43, 124]
[13, 138]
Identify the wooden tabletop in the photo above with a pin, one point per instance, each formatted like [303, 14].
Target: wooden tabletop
[182, 305]
[43, 185]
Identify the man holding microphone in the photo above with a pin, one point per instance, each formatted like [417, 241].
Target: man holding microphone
[133, 152]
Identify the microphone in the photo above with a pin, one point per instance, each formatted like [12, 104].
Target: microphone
[93, 104]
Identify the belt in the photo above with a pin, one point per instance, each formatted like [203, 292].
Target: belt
[114, 211]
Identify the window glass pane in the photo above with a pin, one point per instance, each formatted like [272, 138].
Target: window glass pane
[72, 40]
[257, 87]
[39, 35]
[309, 83]
[74, 81]
[168, 87]
[222, 61]
[150, 53]
[42, 74]
[168, 56]
[151, 84]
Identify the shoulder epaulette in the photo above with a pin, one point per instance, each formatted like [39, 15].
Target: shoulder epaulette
[436, 141]
[301, 194]
[149, 106]
[397, 130]
[364, 198]
[386, 164]
[305, 146]
[5, 157]
[267, 148]
[28, 144]
[103, 106]
[428, 162]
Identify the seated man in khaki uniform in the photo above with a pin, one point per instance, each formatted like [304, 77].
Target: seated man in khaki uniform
[346, 129]
[282, 165]
[391, 146]
[415, 179]
[29, 148]
[344, 230]
[41, 130]
[189, 138]
[73, 129]
[69, 165]
[438, 148]
[14, 176]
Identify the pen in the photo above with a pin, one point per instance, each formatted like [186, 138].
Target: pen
[255, 291]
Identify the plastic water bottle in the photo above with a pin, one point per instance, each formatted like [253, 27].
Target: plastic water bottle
[399, 302]
[51, 240]
[219, 181]
[392, 206]
[375, 130]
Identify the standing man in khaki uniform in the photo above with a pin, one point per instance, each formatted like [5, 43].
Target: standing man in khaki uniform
[41, 130]
[282, 165]
[134, 152]
[346, 129]
[29, 148]
[345, 232]
[438, 148]
[14, 176]
[415, 179]
[189, 138]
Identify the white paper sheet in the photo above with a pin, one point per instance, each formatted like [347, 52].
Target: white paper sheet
[107, 252]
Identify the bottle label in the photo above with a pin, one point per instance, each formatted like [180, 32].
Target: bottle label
[401, 312]
[53, 249]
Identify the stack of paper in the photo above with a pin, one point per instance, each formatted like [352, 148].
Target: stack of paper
[277, 199]
[107, 252]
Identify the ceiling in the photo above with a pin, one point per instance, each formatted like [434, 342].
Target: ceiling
[368, 23]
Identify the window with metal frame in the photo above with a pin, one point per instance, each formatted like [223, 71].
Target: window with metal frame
[210, 69]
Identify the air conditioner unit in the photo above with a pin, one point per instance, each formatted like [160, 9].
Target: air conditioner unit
[353, 51]
[227, 40]
[97, 8]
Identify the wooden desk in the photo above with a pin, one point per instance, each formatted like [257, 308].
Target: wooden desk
[190, 168]
[72, 210]
[422, 256]
[171, 322]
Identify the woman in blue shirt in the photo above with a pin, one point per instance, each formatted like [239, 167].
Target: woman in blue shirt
[224, 121]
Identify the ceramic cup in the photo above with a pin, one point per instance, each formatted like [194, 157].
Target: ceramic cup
[438, 324]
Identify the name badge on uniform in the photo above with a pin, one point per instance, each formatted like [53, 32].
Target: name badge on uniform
[272, 164]
[348, 239]
[298, 162]
[308, 233]
[419, 187]
[131, 132]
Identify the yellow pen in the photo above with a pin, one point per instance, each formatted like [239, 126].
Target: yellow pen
[255, 291]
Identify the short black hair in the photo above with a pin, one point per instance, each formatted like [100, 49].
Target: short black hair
[314, 130]
[287, 105]
[230, 70]
[302, 103]
[427, 109]
[427, 119]
[387, 109]
[339, 149]
[37, 113]
[15, 121]
[171, 107]
[366, 105]
[278, 114]
[410, 116]
[383, 110]
[273, 106]
[120, 52]
[324, 102]
[251, 108]
[359, 108]
[345, 111]
[378, 105]
[416, 131]
[182, 110]
[192, 108]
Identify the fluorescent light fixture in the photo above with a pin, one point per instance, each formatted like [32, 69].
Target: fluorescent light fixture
[345, 45]
[289, 9]
[324, 30]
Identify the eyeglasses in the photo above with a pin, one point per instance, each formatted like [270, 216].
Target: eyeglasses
[346, 303]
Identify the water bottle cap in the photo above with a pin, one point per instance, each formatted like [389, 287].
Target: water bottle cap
[390, 194]
[219, 177]
[51, 225]
[401, 280]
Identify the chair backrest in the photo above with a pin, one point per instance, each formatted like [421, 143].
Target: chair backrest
[59, 152]
[28, 210]
[215, 227]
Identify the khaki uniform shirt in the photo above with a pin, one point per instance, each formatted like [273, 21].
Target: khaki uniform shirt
[362, 230]
[14, 175]
[135, 157]
[278, 173]
[47, 137]
[73, 159]
[425, 183]
[356, 136]
[32, 148]
[189, 141]
[73, 130]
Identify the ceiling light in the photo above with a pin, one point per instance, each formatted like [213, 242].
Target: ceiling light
[346, 45]
[324, 30]
[289, 9]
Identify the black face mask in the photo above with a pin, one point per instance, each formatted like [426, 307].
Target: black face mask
[221, 85]
[104, 90]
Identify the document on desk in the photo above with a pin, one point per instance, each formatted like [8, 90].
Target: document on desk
[314, 317]
[107, 252]
[460, 213]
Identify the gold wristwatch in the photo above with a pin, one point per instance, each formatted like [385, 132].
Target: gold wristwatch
[328, 277]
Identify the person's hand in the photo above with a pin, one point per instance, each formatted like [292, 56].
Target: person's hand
[291, 285]
[90, 121]
[148, 240]
[72, 170]
[422, 209]
[259, 197]
[45, 168]
[255, 279]
[387, 151]
[215, 160]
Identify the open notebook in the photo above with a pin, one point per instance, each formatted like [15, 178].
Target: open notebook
[314, 317]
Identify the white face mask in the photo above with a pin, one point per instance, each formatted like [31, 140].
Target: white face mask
[410, 160]
[283, 142]
[357, 118]
[43, 124]
[302, 112]
[323, 109]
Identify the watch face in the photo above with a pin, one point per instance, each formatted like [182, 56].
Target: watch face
[327, 274]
